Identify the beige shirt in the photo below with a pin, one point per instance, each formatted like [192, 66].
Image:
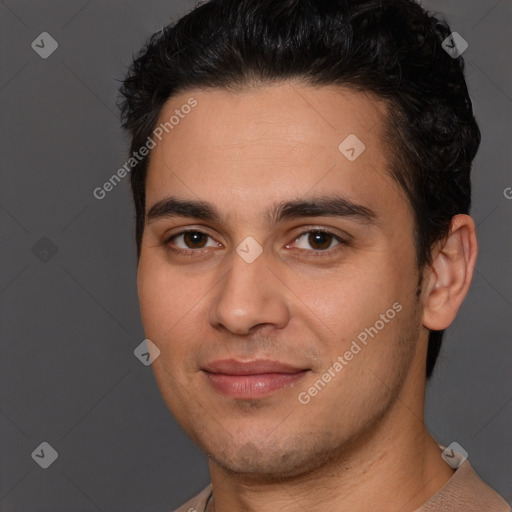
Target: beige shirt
[464, 492]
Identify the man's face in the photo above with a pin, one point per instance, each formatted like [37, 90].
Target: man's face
[253, 314]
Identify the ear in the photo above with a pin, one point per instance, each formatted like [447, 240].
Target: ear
[450, 274]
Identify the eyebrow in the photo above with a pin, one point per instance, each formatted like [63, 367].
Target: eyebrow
[323, 206]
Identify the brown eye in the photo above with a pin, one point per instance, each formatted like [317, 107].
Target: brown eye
[190, 240]
[195, 239]
[317, 240]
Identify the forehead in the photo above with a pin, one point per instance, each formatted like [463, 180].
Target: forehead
[264, 143]
[297, 113]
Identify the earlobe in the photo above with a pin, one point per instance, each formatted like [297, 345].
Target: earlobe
[451, 273]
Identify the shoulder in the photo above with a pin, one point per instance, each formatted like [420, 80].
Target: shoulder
[197, 503]
[465, 492]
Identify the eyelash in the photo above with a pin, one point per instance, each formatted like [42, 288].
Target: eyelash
[193, 252]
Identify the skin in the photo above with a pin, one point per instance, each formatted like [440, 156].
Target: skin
[361, 440]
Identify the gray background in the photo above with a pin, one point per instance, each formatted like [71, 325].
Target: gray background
[69, 320]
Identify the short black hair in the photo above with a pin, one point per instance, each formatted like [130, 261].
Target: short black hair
[390, 48]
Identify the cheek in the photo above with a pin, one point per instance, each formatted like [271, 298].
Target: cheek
[369, 304]
[170, 309]
[160, 298]
[151, 299]
[356, 293]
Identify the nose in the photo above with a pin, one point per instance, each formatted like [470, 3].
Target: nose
[250, 294]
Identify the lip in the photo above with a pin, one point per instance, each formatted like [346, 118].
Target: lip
[251, 379]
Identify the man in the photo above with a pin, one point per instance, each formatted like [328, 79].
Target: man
[303, 235]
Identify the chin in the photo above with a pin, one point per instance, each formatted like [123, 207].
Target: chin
[270, 461]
